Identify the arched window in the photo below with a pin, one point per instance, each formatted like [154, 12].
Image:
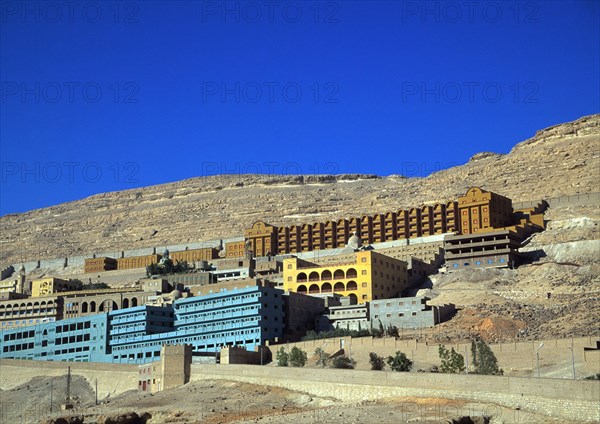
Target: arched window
[301, 288]
[339, 274]
[92, 306]
[84, 308]
[313, 276]
[125, 303]
[301, 278]
[351, 285]
[351, 273]
[115, 307]
[339, 287]
[101, 307]
[313, 289]
[353, 299]
[326, 288]
[326, 275]
[134, 302]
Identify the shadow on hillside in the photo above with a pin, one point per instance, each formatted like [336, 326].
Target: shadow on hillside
[528, 258]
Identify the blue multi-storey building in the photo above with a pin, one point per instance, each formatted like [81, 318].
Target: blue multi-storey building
[242, 316]
[79, 339]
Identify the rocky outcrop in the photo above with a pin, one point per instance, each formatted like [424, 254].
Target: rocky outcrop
[557, 161]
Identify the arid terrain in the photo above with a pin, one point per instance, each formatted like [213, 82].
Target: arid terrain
[214, 402]
[557, 161]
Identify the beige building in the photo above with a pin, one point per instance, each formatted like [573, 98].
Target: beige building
[51, 285]
[172, 370]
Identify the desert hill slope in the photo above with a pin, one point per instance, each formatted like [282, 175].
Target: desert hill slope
[560, 160]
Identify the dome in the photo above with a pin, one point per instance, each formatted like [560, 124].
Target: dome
[354, 242]
[166, 252]
[22, 269]
[175, 294]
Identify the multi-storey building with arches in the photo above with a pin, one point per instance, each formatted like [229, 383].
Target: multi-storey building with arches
[369, 277]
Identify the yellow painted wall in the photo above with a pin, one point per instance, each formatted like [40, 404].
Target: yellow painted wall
[370, 276]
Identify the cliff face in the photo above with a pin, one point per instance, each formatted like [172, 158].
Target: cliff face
[561, 160]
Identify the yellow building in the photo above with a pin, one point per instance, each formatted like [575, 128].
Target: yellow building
[371, 276]
[51, 285]
[483, 211]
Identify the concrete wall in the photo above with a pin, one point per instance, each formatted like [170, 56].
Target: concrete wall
[573, 200]
[58, 263]
[113, 379]
[514, 358]
[239, 355]
[559, 399]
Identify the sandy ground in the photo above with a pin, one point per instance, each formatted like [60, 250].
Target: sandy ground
[213, 402]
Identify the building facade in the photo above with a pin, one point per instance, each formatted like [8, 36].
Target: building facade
[370, 276]
[247, 315]
[407, 313]
[476, 212]
[51, 285]
[99, 264]
[496, 249]
[481, 211]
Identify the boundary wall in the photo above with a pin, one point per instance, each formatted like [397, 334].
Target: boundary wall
[513, 357]
[559, 399]
[113, 379]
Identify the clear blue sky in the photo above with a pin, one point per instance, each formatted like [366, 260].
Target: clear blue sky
[104, 96]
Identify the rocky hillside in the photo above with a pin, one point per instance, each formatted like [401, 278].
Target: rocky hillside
[561, 160]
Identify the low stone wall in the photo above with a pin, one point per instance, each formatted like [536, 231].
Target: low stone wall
[514, 358]
[559, 399]
[113, 379]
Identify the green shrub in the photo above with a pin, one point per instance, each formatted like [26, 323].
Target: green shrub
[452, 361]
[484, 360]
[343, 362]
[297, 357]
[376, 361]
[282, 357]
[399, 362]
[322, 357]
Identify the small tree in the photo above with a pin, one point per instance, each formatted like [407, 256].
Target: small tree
[399, 362]
[344, 362]
[322, 357]
[282, 357]
[452, 361]
[297, 357]
[376, 361]
[392, 331]
[484, 360]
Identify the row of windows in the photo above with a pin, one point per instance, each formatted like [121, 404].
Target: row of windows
[400, 314]
[73, 326]
[389, 304]
[19, 335]
[17, 323]
[192, 339]
[72, 339]
[216, 303]
[72, 350]
[23, 312]
[489, 261]
[19, 347]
